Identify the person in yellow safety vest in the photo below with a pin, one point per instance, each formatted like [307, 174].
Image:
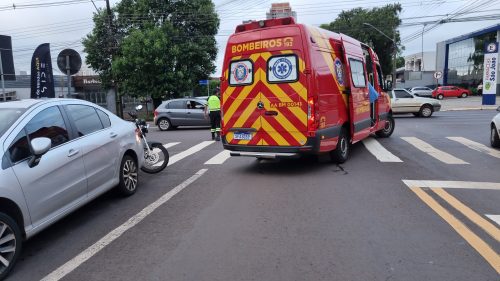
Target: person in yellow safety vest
[212, 109]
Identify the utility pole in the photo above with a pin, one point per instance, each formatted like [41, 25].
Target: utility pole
[422, 59]
[3, 80]
[111, 43]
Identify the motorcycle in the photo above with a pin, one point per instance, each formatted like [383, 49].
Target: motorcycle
[155, 154]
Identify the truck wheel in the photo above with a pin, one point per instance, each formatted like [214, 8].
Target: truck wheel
[425, 111]
[10, 244]
[495, 140]
[464, 95]
[440, 96]
[341, 153]
[388, 129]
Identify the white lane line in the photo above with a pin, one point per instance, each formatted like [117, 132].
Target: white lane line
[453, 184]
[170, 144]
[476, 146]
[380, 152]
[434, 152]
[495, 218]
[189, 152]
[219, 158]
[75, 262]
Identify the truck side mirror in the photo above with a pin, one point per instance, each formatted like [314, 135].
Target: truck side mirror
[387, 85]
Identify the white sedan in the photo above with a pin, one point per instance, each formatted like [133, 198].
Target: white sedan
[495, 130]
[402, 101]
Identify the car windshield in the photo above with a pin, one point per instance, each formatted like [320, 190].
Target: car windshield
[9, 116]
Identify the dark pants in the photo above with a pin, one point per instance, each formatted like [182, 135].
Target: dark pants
[215, 121]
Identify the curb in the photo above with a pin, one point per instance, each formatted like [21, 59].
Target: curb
[470, 108]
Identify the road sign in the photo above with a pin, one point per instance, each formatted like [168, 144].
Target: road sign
[490, 74]
[204, 82]
[438, 74]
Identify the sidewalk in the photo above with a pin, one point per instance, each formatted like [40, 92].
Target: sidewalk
[469, 103]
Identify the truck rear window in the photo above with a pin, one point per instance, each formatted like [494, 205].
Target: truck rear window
[282, 69]
[241, 73]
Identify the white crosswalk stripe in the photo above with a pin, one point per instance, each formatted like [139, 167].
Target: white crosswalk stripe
[495, 218]
[219, 158]
[170, 144]
[434, 152]
[174, 159]
[476, 146]
[380, 152]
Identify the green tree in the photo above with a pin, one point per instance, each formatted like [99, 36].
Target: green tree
[163, 47]
[400, 62]
[386, 19]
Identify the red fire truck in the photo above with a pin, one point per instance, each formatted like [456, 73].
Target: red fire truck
[290, 89]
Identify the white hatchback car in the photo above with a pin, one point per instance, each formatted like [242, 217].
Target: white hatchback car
[55, 156]
[495, 130]
[403, 102]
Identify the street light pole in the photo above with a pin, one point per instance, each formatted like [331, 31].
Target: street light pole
[393, 40]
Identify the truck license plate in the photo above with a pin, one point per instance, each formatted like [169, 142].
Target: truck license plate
[242, 136]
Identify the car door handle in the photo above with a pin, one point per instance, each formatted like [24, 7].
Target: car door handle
[113, 135]
[73, 152]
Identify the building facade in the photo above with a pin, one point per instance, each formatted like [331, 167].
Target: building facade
[281, 10]
[461, 58]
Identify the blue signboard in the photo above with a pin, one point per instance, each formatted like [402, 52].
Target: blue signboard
[203, 82]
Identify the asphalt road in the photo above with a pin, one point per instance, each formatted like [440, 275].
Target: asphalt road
[302, 219]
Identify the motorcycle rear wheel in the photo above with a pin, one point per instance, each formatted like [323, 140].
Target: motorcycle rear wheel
[156, 160]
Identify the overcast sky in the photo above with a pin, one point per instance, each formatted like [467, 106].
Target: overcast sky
[65, 26]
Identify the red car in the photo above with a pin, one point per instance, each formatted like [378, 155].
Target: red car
[450, 91]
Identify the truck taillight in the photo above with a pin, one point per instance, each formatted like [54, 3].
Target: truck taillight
[310, 114]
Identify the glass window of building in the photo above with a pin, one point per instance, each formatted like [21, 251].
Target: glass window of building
[465, 60]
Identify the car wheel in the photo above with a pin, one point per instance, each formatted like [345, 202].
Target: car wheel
[164, 124]
[463, 95]
[495, 139]
[10, 244]
[341, 152]
[440, 96]
[129, 176]
[425, 111]
[388, 129]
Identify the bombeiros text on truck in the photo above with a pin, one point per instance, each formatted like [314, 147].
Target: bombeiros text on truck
[290, 89]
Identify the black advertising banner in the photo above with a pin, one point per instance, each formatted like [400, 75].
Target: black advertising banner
[42, 79]
[7, 58]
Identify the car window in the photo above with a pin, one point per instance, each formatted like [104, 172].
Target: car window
[400, 94]
[85, 118]
[19, 149]
[357, 73]
[48, 123]
[106, 122]
[194, 105]
[177, 104]
[8, 117]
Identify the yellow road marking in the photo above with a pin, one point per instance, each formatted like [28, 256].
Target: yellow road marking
[477, 243]
[469, 213]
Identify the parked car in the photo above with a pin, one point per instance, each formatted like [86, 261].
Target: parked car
[181, 112]
[57, 155]
[402, 101]
[425, 92]
[450, 91]
[495, 130]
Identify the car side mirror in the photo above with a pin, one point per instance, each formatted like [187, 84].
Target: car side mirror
[39, 146]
